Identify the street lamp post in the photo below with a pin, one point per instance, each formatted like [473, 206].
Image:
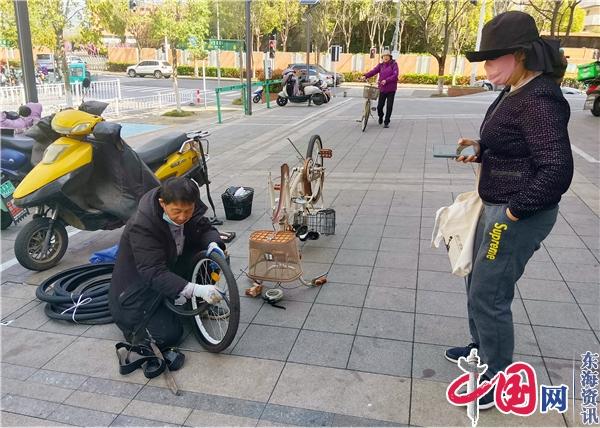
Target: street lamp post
[26, 50]
[248, 61]
[478, 42]
[396, 38]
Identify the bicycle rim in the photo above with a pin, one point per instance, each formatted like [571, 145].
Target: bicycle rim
[314, 171]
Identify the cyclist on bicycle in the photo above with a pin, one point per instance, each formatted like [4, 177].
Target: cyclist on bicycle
[388, 82]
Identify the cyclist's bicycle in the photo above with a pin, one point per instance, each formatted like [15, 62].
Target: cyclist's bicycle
[370, 92]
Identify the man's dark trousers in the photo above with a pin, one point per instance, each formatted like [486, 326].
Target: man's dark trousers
[388, 100]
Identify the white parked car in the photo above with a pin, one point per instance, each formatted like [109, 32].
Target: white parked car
[157, 69]
[566, 90]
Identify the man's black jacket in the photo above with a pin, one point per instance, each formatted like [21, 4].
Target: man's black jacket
[147, 257]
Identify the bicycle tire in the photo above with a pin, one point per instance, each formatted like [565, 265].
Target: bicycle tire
[366, 114]
[317, 159]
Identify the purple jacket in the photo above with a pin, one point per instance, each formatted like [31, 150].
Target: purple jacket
[388, 71]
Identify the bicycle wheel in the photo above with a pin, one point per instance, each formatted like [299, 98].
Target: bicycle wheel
[313, 173]
[366, 114]
[278, 210]
[216, 327]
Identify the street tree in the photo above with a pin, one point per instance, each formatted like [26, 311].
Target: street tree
[178, 21]
[141, 25]
[8, 23]
[264, 18]
[103, 16]
[325, 23]
[436, 21]
[289, 13]
[556, 16]
[49, 20]
[347, 15]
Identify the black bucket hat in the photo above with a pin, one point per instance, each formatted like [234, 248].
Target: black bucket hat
[512, 31]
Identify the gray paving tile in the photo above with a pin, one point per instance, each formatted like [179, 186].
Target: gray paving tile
[405, 211]
[562, 371]
[35, 390]
[362, 242]
[344, 392]
[442, 330]
[580, 273]
[293, 316]
[10, 306]
[355, 257]
[17, 290]
[400, 245]
[366, 229]
[525, 342]
[322, 349]
[230, 406]
[351, 421]
[386, 324]
[579, 256]
[130, 421]
[541, 289]
[300, 293]
[592, 315]
[401, 232]
[555, 314]
[8, 419]
[368, 219]
[334, 293]
[542, 270]
[397, 277]
[397, 260]
[31, 348]
[395, 299]
[585, 292]
[15, 371]
[382, 356]
[440, 281]
[81, 417]
[101, 402]
[157, 395]
[64, 380]
[316, 254]
[249, 307]
[437, 303]
[434, 262]
[404, 221]
[104, 331]
[27, 406]
[350, 274]
[157, 412]
[333, 319]
[31, 319]
[263, 341]
[429, 363]
[110, 387]
[564, 342]
[199, 418]
[563, 241]
[296, 416]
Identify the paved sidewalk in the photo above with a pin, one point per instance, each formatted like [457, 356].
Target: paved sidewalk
[365, 349]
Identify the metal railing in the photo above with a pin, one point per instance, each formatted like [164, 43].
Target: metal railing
[153, 102]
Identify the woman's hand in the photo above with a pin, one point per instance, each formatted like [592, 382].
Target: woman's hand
[510, 215]
[463, 142]
[383, 82]
[362, 78]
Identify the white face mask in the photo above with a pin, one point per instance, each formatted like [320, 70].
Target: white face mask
[168, 220]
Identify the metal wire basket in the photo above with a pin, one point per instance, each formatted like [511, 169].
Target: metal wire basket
[323, 221]
[371, 92]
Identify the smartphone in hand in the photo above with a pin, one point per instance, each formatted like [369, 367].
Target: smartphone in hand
[450, 152]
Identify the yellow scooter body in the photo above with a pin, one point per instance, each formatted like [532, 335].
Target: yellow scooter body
[62, 157]
[177, 164]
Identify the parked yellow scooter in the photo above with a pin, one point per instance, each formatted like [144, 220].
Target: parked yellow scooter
[90, 179]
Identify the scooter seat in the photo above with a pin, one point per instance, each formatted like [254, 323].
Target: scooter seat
[158, 149]
[18, 142]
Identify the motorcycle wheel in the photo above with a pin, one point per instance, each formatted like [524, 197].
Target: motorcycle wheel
[318, 99]
[281, 101]
[6, 220]
[596, 107]
[28, 245]
[256, 99]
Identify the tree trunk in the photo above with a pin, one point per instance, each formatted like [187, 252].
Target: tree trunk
[195, 67]
[572, 7]
[139, 52]
[175, 82]
[64, 67]
[553, 22]
[441, 66]
[284, 38]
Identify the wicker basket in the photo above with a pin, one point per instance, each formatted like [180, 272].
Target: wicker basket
[274, 256]
[371, 92]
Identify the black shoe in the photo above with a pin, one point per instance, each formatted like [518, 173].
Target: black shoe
[215, 313]
[380, 120]
[174, 358]
[487, 401]
[386, 125]
[453, 354]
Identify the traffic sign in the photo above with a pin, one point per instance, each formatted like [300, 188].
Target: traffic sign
[336, 51]
[224, 44]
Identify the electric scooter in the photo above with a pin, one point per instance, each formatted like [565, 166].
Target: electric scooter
[257, 95]
[90, 179]
[312, 93]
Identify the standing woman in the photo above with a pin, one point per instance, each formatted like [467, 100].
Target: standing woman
[388, 83]
[526, 165]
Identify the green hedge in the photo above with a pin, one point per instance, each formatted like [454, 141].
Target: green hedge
[422, 79]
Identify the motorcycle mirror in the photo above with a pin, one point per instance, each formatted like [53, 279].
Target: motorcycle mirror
[93, 107]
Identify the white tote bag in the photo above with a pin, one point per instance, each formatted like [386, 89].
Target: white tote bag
[456, 226]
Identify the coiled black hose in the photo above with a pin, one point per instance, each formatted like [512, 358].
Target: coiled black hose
[78, 294]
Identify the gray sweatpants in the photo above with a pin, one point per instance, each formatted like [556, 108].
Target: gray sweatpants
[502, 249]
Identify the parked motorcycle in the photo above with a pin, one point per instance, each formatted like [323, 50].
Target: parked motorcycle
[15, 155]
[89, 178]
[257, 95]
[311, 93]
